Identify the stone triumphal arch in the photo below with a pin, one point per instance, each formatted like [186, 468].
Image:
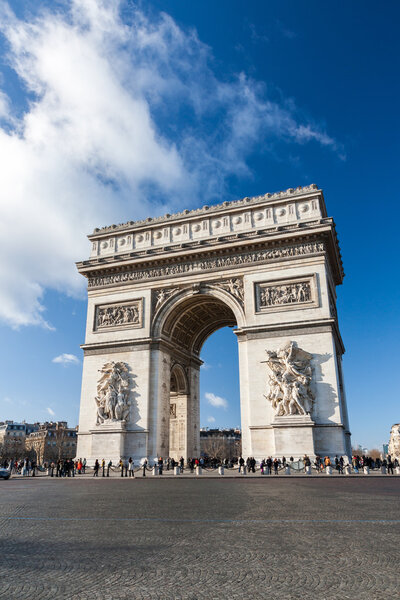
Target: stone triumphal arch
[157, 289]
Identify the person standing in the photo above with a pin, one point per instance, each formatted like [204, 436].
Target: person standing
[121, 466]
[109, 467]
[96, 468]
[130, 467]
[84, 466]
[389, 465]
[144, 467]
[181, 463]
[276, 465]
[241, 464]
[103, 467]
[160, 465]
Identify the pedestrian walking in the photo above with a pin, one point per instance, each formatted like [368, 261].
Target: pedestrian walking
[96, 468]
[103, 467]
[130, 467]
[109, 465]
[144, 467]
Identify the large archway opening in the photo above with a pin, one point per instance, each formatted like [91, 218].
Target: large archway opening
[186, 324]
[220, 421]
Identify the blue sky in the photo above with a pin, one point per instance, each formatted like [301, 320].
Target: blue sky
[111, 114]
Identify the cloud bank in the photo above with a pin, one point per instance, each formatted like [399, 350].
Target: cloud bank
[114, 120]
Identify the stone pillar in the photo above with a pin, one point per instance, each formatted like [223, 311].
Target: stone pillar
[159, 402]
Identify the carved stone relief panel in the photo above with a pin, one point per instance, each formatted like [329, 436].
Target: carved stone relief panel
[161, 295]
[119, 315]
[234, 286]
[113, 390]
[290, 377]
[287, 294]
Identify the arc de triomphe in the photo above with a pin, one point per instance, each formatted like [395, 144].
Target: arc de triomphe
[157, 288]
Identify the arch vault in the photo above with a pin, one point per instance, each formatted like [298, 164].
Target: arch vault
[157, 289]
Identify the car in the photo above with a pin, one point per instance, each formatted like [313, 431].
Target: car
[4, 473]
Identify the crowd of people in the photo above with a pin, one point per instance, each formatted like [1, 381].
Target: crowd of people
[70, 467]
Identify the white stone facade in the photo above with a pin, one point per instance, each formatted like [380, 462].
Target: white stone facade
[157, 289]
[394, 442]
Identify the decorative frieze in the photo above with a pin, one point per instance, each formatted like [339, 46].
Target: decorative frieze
[119, 315]
[206, 264]
[286, 294]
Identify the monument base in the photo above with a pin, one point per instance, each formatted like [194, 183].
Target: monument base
[108, 442]
[294, 436]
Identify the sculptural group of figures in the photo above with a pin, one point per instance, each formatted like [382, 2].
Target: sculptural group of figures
[285, 294]
[113, 393]
[117, 315]
[289, 382]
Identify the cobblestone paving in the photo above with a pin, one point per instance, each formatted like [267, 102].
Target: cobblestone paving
[181, 539]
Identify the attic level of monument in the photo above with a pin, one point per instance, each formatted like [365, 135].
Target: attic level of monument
[158, 288]
[289, 221]
[275, 198]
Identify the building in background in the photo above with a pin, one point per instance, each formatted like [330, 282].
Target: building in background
[52, 441]
[12, 438]
[220, 443]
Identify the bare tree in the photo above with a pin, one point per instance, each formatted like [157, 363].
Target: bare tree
[375, 453]
[221, 447]
[214, 447]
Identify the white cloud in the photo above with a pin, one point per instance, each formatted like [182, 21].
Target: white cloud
[7, 400]
[51, 412]
[66, 359]
[211, 419]
[216, 401]
[101, 138]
